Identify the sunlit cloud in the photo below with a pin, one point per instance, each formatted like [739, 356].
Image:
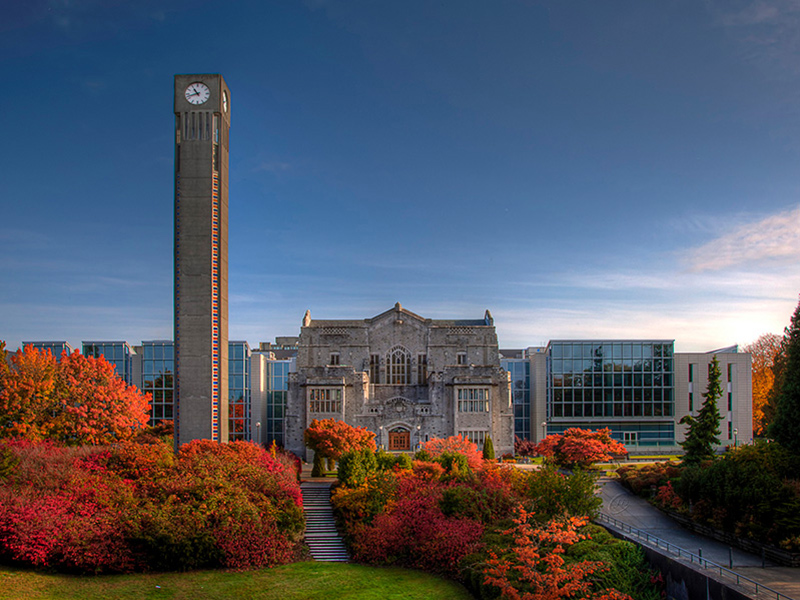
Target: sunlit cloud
[776, 237]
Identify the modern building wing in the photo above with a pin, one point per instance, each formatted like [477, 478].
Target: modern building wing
[118, 353]
[55, 348]
[640, 389]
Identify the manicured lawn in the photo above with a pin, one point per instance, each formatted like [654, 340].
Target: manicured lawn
[299, 581]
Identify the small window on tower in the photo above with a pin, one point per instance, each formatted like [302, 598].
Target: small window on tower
[461, 358]
[334, 359]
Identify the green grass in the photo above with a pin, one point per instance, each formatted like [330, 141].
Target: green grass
[299, 581]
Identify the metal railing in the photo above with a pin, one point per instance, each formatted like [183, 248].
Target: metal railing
[693, 558]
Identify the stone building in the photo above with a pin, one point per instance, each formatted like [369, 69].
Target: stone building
[406, 378]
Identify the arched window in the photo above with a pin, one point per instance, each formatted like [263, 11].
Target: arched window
[398, 366]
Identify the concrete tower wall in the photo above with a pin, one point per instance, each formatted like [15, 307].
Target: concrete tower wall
[201, 257]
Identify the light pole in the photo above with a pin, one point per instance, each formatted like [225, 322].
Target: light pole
[419, 440]
[380, 436]
[544, 429]
[258, 433]
[735, 438]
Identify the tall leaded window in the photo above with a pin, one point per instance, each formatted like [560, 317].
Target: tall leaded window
[324, 400]
[374, 368]
[473, 400]
[422, 369]
[398, 366]
[477, 437]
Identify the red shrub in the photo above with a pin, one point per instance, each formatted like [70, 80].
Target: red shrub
[457, 444]
[414, 532]
[427, 470]
[580, 447]
[668, 498]
[138, 507]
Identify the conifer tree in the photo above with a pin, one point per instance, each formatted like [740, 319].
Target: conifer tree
[785, 429]
[488, 449]
[318, 469]
[704, 429]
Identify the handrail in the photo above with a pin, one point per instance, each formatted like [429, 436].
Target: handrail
[680, 552]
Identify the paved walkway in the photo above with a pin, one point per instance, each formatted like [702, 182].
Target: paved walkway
[622, 505]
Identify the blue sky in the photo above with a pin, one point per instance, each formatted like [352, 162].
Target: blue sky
[614, 169]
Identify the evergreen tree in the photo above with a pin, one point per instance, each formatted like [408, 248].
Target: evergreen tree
[318, 470]
[488, 449]
[704, 430]
[785, 429]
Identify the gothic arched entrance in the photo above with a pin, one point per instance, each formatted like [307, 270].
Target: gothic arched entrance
[399, 439]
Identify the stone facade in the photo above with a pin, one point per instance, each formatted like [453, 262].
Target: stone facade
[406, 378]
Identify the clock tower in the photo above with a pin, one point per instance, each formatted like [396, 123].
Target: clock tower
[202, 121]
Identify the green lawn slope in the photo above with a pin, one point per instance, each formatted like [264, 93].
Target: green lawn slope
[299, 581]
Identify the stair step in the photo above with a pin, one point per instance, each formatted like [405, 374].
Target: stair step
[322, 537]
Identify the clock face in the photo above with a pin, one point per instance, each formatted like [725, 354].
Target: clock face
[197, 93]
[224, 101]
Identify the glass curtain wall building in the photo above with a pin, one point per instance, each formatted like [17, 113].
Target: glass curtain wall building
[118, 354]
[278, 377]
[520, 371]
[238, 391]
[55, 348]
[158, 369]
[627, 386]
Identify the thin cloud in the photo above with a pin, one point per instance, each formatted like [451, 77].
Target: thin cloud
[766, 31]
[776, 237]
[272, 167]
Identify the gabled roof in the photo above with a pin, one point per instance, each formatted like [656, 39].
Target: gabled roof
[396, 311]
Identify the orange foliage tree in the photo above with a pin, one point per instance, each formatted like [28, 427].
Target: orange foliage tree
[331, 438]
[79, 400]
[580, 447]
[535, 568]
[764, 352]
[457, 444]
[27, 401]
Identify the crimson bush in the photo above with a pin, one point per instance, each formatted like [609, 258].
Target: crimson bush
[139, 507]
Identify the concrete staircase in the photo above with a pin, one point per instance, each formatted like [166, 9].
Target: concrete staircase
[321, 537]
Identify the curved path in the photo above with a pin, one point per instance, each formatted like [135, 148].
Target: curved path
[622, 505]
